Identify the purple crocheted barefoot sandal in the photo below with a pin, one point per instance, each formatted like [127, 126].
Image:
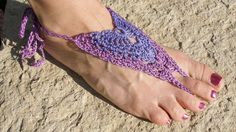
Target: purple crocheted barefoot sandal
[125, 45]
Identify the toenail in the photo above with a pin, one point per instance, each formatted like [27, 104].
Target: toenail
[202, 105]
[169, 121]
[185, 117]
[215, 79]
[213, 94]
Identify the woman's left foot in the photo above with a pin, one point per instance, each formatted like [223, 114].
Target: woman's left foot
[133, 91]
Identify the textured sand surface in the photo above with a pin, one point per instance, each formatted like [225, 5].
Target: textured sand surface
[53, 98]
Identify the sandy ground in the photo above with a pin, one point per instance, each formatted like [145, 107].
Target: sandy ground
[53, 98]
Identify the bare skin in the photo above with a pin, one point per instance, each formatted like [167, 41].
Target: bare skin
[134, 92]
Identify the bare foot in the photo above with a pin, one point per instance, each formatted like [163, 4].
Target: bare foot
[135, 92]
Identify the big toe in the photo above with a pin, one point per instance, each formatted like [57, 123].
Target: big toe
[204, 73]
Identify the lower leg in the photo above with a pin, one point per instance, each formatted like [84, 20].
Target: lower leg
[56, 15]
[70, 18]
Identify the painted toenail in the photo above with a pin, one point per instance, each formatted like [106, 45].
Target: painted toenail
[185, 117]
[215, 79]
[169, 121]
[213, 94]
[202, 105]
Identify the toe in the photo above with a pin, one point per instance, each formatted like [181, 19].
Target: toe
[190, 101]
[159, 116]
[205, 73]
[200, 88]
[175, 110]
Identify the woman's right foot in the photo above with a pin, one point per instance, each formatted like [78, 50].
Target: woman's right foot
[134, 92]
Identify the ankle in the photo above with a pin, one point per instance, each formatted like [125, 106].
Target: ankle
[83, 15]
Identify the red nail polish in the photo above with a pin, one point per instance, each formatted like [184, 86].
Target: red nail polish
[215, 79]
[185, 117]
[213, 94]
[202, 105]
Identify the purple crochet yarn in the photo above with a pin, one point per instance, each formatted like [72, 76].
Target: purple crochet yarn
[35, 43]
[125, 45]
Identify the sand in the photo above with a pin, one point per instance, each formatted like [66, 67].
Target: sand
[53, 98]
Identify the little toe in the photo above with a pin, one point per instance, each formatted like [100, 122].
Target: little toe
[174, 109]
[158, 116]
[205, 73]
[200, 88]
[190, 101]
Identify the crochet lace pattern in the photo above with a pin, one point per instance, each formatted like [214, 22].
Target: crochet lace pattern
[125, 45]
